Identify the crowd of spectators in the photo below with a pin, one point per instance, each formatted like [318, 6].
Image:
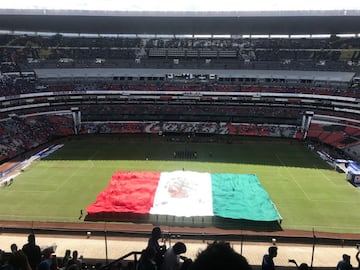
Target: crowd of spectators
[217, 255]
[153, 257]
[337, 136]
[20, 53]
[20, 135]
[11, 88]
[330, 134]
[157, 254]
[23, 40]
[167, 86]
[33, 257]
[199, 128]
[13, 80]
[311, 52]
[217, 114]
[195, 112]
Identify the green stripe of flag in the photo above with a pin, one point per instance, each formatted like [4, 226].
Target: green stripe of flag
[241, 196]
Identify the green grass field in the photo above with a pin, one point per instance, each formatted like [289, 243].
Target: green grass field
[306, 191]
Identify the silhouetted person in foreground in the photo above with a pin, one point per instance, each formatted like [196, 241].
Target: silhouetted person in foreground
[67, 257]
[75, 260]
[154, 243]
[19, 261]
[147, 259]
[344, 264]
[268, 259]
[13, 248]
[220, 255]
[47, 261]
[302, 266]
[32, 252]
[172, 256]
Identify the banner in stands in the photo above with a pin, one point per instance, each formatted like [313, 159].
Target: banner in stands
[187, 194]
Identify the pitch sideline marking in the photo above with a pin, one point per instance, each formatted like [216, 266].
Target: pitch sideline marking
[293, 178]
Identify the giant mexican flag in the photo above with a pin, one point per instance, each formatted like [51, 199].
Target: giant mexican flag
[187, 194]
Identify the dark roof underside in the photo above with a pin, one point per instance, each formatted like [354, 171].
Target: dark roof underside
[182, 23]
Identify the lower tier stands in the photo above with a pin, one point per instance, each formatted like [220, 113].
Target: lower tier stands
[19, 135]
[195, 128]
[335, 135]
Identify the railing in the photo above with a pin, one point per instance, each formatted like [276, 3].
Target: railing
[132, 253]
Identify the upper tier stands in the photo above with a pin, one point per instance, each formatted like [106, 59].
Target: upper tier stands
[258, 53]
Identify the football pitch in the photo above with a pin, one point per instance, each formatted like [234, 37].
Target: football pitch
[307, 193]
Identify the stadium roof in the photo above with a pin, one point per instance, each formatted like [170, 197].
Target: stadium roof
[182, 23]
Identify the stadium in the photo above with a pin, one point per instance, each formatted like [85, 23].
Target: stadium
[212, 125]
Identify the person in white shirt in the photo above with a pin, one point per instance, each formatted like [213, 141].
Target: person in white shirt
[172, 256]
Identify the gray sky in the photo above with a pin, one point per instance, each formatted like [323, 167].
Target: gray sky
[184, 5]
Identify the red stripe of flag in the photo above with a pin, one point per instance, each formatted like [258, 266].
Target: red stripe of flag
[128, 192]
